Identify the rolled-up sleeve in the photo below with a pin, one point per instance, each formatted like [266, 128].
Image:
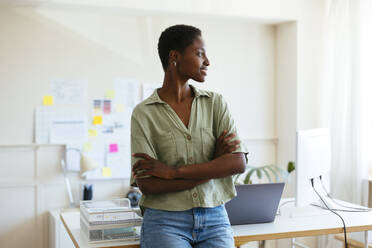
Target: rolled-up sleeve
[140, 143]
[225, 121]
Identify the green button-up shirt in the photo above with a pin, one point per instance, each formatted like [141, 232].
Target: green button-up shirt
[157, 131]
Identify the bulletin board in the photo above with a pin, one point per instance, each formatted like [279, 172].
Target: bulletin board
[100, 129]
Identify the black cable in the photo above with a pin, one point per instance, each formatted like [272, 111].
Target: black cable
[343, 222]
[341, 205]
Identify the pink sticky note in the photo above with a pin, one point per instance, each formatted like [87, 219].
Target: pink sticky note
[114, 148]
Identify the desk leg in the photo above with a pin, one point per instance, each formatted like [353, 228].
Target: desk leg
[365, 239]
[296, 244]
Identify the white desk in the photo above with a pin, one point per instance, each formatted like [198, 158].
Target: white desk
[321, 223]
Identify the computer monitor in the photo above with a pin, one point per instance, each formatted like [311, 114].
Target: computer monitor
[313, 159]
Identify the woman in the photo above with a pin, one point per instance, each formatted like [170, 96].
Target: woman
[185, 151]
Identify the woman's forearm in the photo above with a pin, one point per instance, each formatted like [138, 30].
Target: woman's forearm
[223, 166]
[153, 185]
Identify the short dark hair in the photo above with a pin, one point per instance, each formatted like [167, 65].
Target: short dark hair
[176, 37]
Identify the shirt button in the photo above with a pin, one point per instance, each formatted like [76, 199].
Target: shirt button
[188, 137]
[194, 195]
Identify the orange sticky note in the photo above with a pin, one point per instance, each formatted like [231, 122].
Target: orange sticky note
[48, 100]
[106, 172]
[97, 120]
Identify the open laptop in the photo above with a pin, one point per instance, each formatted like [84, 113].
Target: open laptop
[254, 203]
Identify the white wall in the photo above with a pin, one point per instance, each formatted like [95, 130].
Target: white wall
[310, 64]
[97, 47]
[286, 102]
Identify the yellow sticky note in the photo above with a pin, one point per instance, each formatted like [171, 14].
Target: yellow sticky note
[119, 107]
[48, 100]
[87, 147]
[97, 120]
[110, 94]
[92, 133]
[106, 172]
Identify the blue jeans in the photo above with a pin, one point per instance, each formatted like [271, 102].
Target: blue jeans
[197, 227]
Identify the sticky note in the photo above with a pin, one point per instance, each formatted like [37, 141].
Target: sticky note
[107, 106]
[113, 148]
[119, 107]
[92, 133]
[110, 94]
[97, 106]
[106, 172]
[87, 147]
[97, 120]
[48, 100]
[97, 103]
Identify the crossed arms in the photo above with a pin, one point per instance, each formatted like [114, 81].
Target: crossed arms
[167, 179]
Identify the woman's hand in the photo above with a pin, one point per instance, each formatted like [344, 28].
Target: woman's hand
[152, 167]
[223, 146]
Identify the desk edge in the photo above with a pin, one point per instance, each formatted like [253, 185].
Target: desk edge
[240, 240]
[69, 232]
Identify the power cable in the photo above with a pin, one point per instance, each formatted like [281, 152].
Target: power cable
[343, 222]
[341, 205]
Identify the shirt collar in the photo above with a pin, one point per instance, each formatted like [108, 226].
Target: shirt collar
[154, 98]
[199, 92]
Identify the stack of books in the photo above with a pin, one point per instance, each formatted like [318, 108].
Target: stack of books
[102, 221]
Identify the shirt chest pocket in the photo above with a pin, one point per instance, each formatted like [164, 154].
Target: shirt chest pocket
[208, 143]
[165, 147]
